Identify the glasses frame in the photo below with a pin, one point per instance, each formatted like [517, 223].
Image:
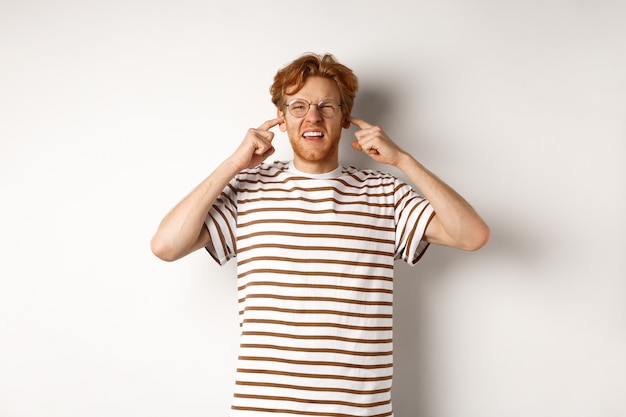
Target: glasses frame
[309, 104]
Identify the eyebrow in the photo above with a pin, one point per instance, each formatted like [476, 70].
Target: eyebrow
[312, 101]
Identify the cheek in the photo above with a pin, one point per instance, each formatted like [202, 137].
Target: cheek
[292, 127]
[293, 123]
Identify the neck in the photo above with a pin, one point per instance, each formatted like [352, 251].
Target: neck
[315, 167]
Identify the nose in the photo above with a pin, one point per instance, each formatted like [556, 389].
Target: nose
[314, 113]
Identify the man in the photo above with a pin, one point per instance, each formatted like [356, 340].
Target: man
[315, 244]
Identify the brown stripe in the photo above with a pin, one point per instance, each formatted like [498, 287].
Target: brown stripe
[219, 234]
[317, 200]
[314, 212]
[315, 363]
[318, 337]
[313, 274]
[400, 201]
[318, 223]
[317, 261]
[415, 224]
[419, 256]
[305, 413]
[319, 389]
[231, 232]
[335, 190]
[263, 173]
[314, 350]
[362, 183]
[315, 376]
[313, 311]
[227, 201]
[308, 400]
[311, 324]
[315, 248]
[318, 299]
[365, 184]
[314, 286]
[318, 235]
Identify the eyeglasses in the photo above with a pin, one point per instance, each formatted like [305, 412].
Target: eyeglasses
[299, 107]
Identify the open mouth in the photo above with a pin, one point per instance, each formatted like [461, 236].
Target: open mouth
[313, 134]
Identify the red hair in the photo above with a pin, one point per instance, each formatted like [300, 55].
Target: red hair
[291, 78]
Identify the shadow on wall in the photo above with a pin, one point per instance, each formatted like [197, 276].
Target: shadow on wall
[412, 364]
[413, 351]
[415, 354]
[374, 105]
[510, 243]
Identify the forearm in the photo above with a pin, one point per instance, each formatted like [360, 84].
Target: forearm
[456, 222]
[181, 230]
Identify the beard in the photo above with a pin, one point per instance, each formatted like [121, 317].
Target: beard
[326, 151]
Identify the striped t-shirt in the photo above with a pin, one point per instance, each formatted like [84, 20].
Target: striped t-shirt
[315, 257]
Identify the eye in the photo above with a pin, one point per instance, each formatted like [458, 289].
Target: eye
[330, 104]
[299, 105]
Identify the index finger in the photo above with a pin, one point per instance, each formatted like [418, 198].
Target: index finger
[360, 123]
[271, 123]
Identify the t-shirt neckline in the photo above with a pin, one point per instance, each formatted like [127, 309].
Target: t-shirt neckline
[331, 174]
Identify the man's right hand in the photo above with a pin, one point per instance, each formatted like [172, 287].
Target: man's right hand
[182, 230]
[256, 145]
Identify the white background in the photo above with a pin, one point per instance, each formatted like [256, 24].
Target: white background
[111, 111]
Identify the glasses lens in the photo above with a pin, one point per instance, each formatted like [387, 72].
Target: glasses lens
[298, 108]
[328, 108]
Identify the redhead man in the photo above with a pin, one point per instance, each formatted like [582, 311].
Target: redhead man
[315, 244]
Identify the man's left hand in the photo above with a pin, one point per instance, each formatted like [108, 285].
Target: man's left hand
[374, 141]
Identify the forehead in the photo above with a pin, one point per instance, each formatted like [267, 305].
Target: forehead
[317, 88]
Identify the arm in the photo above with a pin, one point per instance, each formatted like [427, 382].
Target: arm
[182, 231]
[455, 223]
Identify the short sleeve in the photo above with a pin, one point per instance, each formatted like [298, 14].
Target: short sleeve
[221, 222]
[413, 213]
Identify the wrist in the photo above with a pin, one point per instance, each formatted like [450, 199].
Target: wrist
[404, 161]
[233, 166]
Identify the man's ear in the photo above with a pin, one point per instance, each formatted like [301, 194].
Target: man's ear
[346, 120]
[282, 126]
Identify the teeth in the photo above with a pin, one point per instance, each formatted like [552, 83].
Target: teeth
[309, 134]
